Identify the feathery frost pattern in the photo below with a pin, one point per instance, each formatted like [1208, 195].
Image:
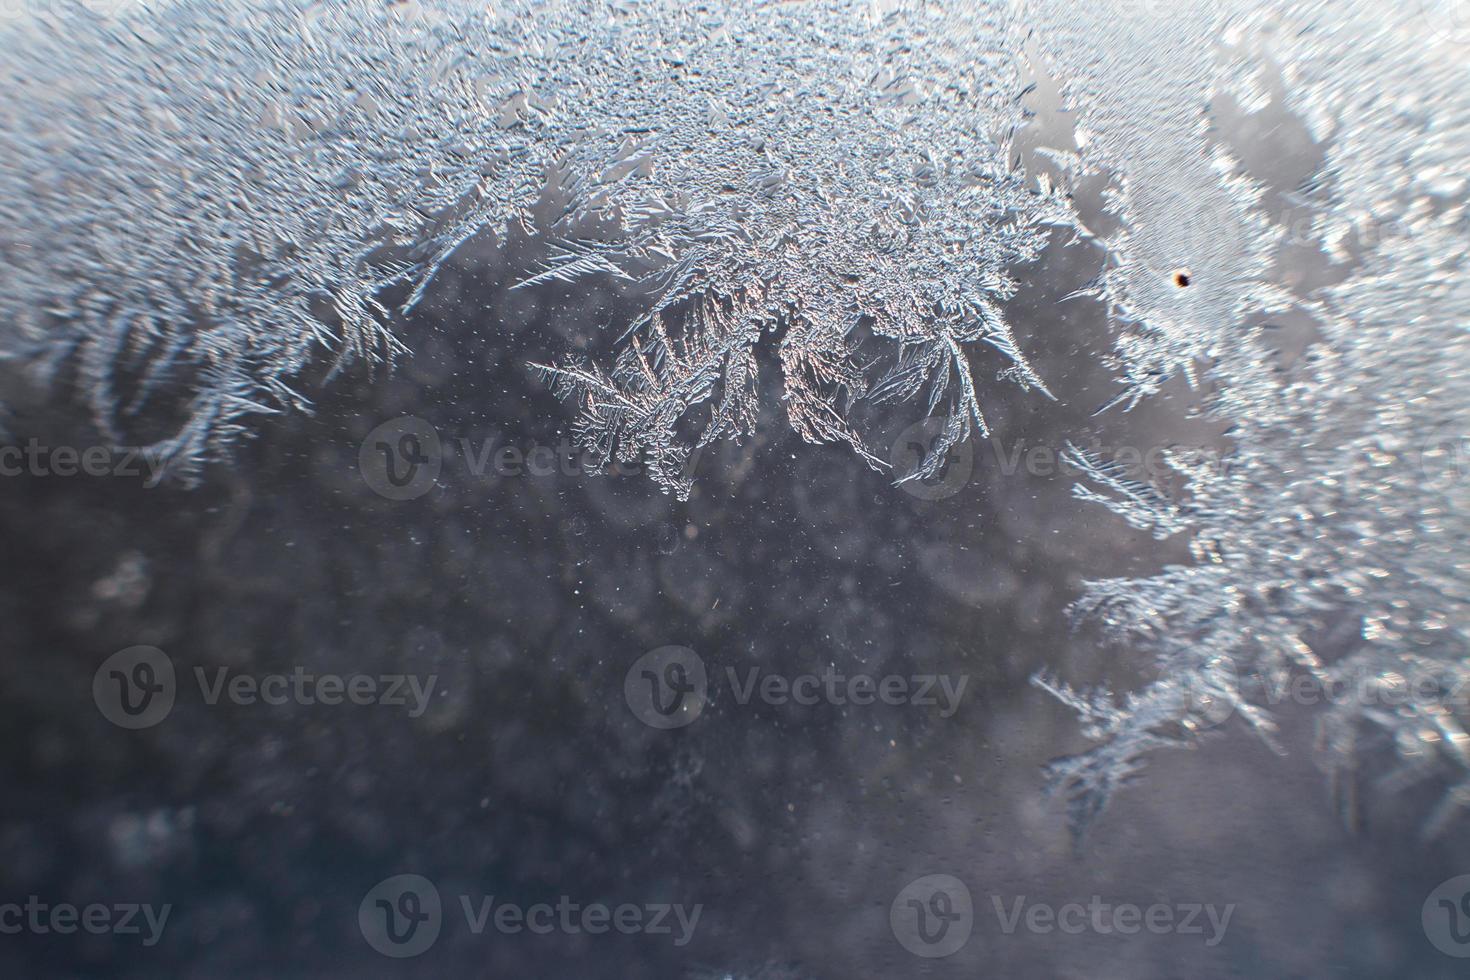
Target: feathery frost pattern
[1333, 548]
[208, 200]
[809, 171]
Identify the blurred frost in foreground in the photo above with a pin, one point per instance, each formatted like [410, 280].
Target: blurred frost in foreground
[205, 199]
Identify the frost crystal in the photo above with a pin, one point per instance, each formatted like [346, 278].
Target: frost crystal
[204, 196]
[816, 171]
[1193, 253]
[1334, 546]
[200, 199]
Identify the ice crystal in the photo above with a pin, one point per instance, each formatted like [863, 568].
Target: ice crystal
[204, 196]
[1193, 252]
[1334, 545]
[813, 171]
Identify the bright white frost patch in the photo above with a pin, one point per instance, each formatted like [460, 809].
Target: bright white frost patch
[1347, 499]
[220, 192]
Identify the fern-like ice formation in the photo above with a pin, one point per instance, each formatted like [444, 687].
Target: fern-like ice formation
[809, 171]
[206, 196]
[1334, 547]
